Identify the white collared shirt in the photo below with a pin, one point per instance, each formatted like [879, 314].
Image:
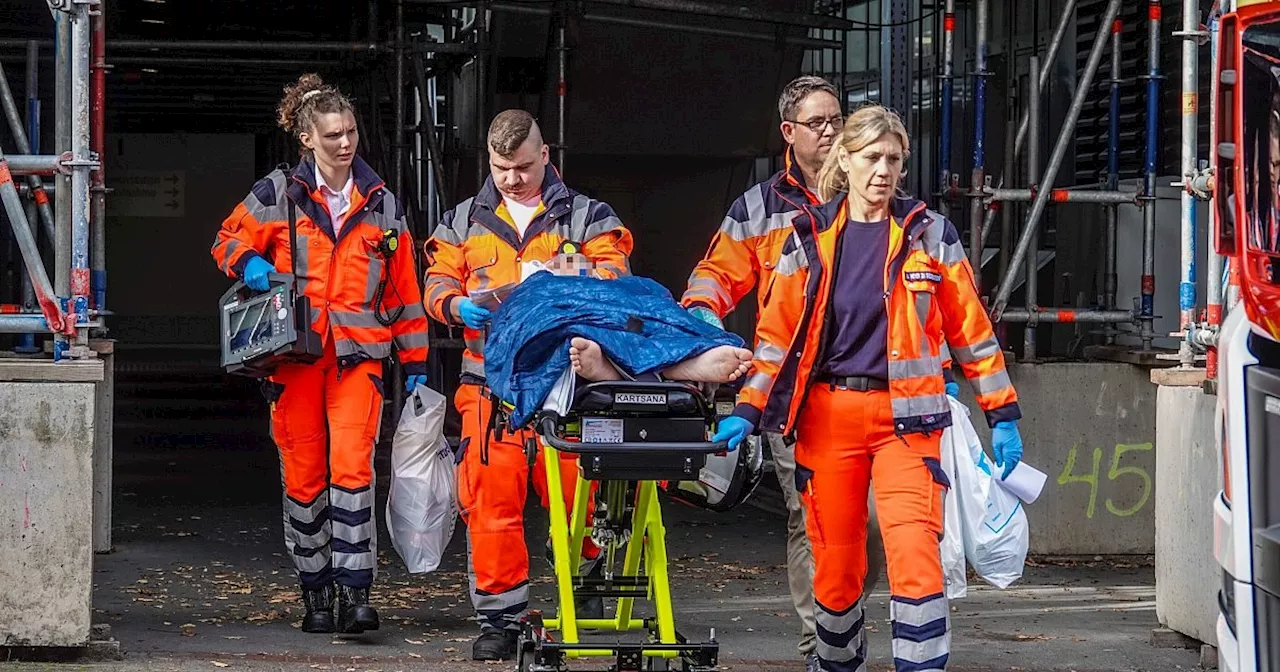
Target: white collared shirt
[338, 202]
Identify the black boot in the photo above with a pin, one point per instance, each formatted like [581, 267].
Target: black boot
[319, 604]
[591, 607]
[495, 645]
[354, 613]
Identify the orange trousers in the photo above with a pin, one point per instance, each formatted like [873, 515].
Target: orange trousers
[491, 500]
[845, 441]
[325, 421]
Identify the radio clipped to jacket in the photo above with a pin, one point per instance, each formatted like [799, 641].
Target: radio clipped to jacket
[261, 331]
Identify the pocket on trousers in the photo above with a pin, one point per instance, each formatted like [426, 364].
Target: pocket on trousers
[937, 495]
[466, 499]
[374, 427]
[813, 515]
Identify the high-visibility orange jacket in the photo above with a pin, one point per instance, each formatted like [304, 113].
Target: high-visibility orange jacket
[474, 248]
[339, 273]
[749, 241]
[929, 298]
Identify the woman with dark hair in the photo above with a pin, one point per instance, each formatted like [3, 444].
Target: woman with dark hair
[354, 260]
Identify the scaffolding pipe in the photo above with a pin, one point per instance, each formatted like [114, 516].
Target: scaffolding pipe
[1109, 279]
[562, 89]
[1055, 160]
[1065, 316]
[98, 140]
[948, 89]
[481, 25]
[1010, 168]
[23, 324]
[35, 210]
[1190, 91]
[1046, 65]
[1213, 270]
[34, 164]
[62, 196]
[978, 176]
[80, 276]
[429, 119]
[21, 139]
[1118, 197]
[800, 41]
[30, 253]
[1147, 315]
[262, 46]
[803, 20]
[27, 343]
[1033, 178]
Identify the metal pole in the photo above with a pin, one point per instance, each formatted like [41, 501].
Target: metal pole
[62, 196]
[1055, 160]
[948, 88]
[1190, 92]
[23, 324]
[562, 88]
[978, 176]
[1010, 166]
[1147, 319]
[20, 138]
[27, 244]
[34, 164]
[1061, 195]
[482, 52]
[98, 138]
[1046, 65]
[38, 206]
[372, 48]
[429, 118]
[27, 342]
[1033, 178]
[1064, 316]
[1213, 270]
[1109, 280]
[80, 277]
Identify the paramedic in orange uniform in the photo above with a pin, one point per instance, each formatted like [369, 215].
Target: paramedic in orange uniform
[351, 238]
[523, 214]
[860, 304]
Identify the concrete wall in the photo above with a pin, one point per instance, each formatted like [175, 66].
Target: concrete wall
[1091, 428]
[46, 484]
[1186, 594]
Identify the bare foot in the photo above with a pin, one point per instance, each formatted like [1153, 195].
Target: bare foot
[589, 361]
[718, 365]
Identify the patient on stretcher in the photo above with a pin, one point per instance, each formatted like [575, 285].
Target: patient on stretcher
[721, 364]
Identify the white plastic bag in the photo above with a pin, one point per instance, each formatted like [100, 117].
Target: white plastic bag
[992, 519]
[952, 546]
[422, 504]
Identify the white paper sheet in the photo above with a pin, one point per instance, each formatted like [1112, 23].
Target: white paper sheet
[1025, 482]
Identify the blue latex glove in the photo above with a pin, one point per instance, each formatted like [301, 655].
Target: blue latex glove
[733, 429]
[472, 315]
[411, 383]
[255, 274]
[953, 389]
[707, 315]
[1006, 442]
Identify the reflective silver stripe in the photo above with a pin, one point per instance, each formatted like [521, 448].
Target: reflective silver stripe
[850, 625]
[768, 352]
[760, 381]
[312, 563]
[972, 353]
[438, 287]
[345, 347]
[458, 224]
[353, 561]
[622, 271]
[364, 319]
[792, 262]
[992, 383]
[353, 534]
[302, 257]
[708, 286]
[306, 513]
[472, 367]
[372, 279]
[351, 501]
[413, 339]
[931, 241]
[578, 221]
[917, 615]
[900, 369]
[602, 227]
[475, 345]
[753, 228]
[922, 652]
[515, 597]
[924, 300]
[944, 352]
[838, 624]
[930, 404]
[295, 539]
[754, 200]
[229, 253]
[277, 211]
[413, 311]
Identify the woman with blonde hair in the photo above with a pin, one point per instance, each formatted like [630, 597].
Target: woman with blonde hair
[850, 362]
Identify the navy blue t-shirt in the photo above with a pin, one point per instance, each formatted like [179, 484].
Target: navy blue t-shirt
[858, 336]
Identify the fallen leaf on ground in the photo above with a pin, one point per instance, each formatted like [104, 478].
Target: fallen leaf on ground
[220, 664]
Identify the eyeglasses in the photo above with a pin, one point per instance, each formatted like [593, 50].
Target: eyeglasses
[818, 125]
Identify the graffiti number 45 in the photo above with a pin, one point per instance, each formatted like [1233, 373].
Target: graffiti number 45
[1116, 471]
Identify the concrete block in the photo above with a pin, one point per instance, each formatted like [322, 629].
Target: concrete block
[1164, 638]
[46, 514]
[1209, 657]
[1187, 469]
[1091, 427]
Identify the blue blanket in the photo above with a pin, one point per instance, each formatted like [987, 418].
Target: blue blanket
[635, 320]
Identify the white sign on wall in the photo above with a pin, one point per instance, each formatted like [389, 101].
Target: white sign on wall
[147, 193]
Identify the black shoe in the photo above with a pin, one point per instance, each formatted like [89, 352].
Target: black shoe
[495, 645]
[591, 607]
[354, 613]
[811, 663]
[319, 604]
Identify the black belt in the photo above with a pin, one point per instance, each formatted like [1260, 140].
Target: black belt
[856, 383]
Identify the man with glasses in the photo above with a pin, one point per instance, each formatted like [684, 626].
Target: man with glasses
[744, 253]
